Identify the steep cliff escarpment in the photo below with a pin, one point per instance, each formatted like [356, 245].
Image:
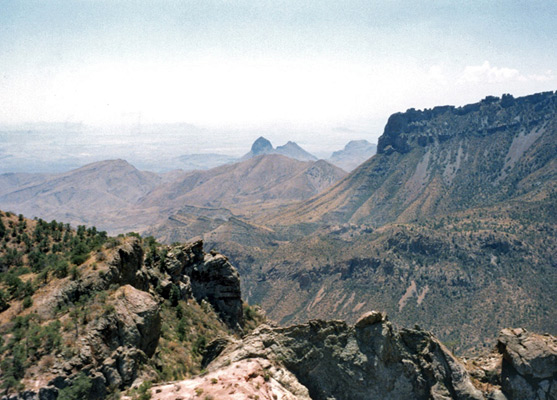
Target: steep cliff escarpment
[446, 159]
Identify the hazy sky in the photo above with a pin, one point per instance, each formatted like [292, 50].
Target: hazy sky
[318, 72]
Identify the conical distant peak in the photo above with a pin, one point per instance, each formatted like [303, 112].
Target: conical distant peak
[261, 146]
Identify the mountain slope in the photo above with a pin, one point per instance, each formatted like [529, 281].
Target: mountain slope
[265, 179]
[83, 195]
[12, 181]
[293, 150]
[447, 159]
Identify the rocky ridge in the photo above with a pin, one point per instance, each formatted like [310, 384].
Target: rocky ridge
[455, 212]
[369, 360]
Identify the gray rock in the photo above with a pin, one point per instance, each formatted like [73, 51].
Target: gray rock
[369, 318]
[218, 282]
[368, 361]
[208, 277]
[213, 350]
[135, 323]
[128, 361]
[28, 395]
[59, 382]
[98, 386]
[496, 395]
[529, 368]
[126, 264]
[111, 374]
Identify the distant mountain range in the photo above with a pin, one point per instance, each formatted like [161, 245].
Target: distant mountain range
[353, 154]
[290, 149]
[115, 196]
[448, 159]
[190, 162]
[259, 181]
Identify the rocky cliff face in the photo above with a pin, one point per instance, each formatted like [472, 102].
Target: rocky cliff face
[370, 360]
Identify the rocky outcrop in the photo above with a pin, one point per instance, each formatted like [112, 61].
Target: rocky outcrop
[261, 146]
[211, 278]
[111, 348]
[253, 378]
[125, 266]
[370, 360]
[529, 366]
[132, 321]
[120, 331]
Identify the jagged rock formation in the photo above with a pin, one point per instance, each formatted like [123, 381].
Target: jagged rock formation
[261, 146]
[354, 153]
[370, 360]
[292, 150]
[253, 378]
[211, 278]
[523, 365]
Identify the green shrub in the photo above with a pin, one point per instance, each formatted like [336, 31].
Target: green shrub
[174, 295]
[27, 302]
[61, 269]
[3, 301]
[78, 390]
[144, 391]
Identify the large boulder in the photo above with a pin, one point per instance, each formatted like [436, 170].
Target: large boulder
[529, 367]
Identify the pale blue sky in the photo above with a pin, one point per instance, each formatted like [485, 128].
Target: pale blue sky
[291, 69]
